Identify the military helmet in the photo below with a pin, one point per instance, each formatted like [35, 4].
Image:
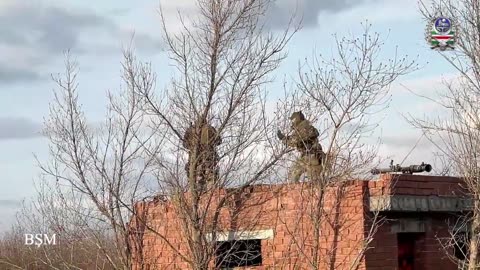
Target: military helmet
[297, 117]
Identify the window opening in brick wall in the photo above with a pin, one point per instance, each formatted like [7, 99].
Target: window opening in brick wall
[238, 253]
[406, 250]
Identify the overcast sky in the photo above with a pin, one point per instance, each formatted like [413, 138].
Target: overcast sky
[34, 34]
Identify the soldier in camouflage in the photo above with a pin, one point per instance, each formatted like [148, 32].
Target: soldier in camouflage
[304, 137]
[201, 140]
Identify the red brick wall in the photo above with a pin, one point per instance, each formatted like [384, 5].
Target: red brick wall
[287, 210]
[421, 185]
[429, 254]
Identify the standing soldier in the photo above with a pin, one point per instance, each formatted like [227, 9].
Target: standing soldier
[201, 140]
[304, 137]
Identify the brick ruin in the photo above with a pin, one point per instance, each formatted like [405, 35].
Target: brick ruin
[416, 211]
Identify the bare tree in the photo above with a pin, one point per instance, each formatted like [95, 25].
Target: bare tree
[341, 94]
[75, 240]
[97, 174]
[93, 176]
[223, 63]
[117, 180]
[455, 131]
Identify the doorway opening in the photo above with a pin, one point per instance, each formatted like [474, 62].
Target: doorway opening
[406, 250]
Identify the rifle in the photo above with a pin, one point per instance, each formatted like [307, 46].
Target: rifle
[405, 170]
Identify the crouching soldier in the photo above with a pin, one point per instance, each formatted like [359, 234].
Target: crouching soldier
[304, 137]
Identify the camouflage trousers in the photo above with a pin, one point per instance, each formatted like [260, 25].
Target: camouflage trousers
[309, 164]
[206, 170]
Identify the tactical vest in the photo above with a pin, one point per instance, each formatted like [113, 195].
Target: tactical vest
[305, 135]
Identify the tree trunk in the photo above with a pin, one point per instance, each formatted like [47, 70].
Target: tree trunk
[473, 257]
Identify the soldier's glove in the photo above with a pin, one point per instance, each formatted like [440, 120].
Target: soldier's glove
[280, 135]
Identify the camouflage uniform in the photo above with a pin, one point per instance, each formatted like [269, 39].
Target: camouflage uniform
[202, 152]
[304, 137]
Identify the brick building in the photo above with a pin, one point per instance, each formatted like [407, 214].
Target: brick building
[274, 224]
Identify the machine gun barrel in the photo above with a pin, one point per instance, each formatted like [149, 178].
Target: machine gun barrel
[406, 170]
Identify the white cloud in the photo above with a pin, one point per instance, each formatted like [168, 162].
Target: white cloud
[18, 128]
[376, 12]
